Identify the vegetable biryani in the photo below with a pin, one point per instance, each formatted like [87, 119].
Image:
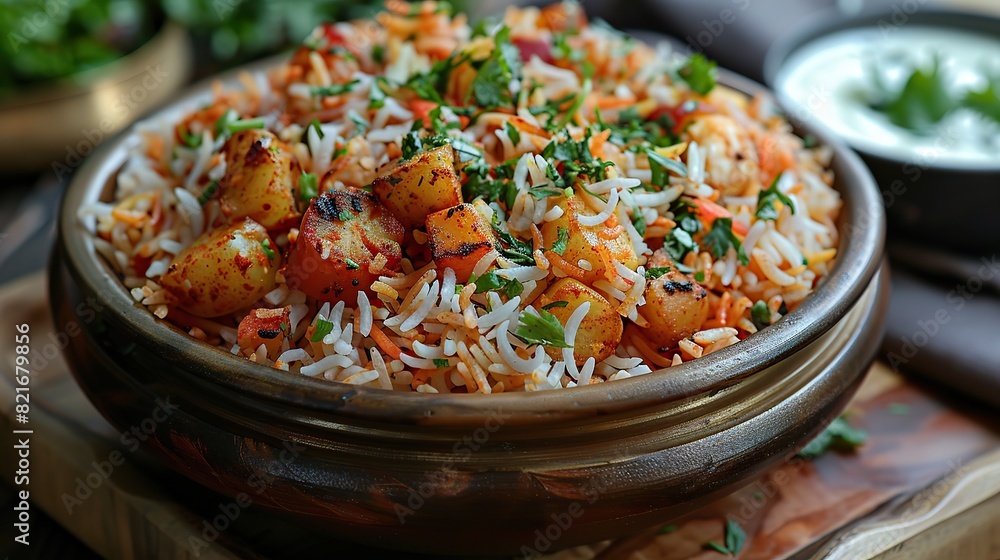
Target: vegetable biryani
[413, 203]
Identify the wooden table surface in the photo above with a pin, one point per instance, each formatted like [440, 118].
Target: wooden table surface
[926, 485]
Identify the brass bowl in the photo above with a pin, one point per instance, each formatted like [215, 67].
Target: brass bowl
[59, 124]
[474, 473]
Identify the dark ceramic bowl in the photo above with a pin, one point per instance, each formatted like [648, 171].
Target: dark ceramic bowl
[927, 201]
[473, 473]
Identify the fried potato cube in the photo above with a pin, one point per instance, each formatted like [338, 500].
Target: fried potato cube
[583, 240]
[601, 330]
[411, 189]
[224, 270]
[261, 180]
[459, 237]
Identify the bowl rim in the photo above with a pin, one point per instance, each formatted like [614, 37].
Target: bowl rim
[832, 20]
[862, 231]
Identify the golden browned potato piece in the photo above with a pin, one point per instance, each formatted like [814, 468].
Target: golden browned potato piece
[411, 189]
[261, 180]
[601, 330]
[676, 307]
[458, 238]
[223, 271]
[583, 240]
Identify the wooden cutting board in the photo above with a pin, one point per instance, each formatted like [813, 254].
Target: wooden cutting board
[927, 481]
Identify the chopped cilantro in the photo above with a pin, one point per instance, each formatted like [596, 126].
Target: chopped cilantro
[333, 90]
[378, 53]
[268, 251]
[639, 222]
[308, 187]
[208, 193]
[561, 242]
[543, 329]
[839, 436]
[555, 305]
[441, 363]
[516, 251]
[189, 140]
[678, 243]
[512, 133]
[735, 538]
[661, 167]
[766, 199]
[699, 72]
[922, 103]
[985, 102]
[466, 151]
[699, 276]
[545, 192]
[588, 87]
[654, 273]
[351, 265]
[315, 124]
[322, 329]
[376, 95]
[760, 313]
[493, 282]
[721, 238]
[491, 86]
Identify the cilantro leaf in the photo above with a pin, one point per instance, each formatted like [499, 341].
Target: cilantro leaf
[555, 304]
[441, 362]
[493, 282]
[268, 251]
[699, 72]
[839, 436]
[654, 273]
[639, 222]
[543, 329]
[333, 90]
[922, 102]
[760, 313]
[678, 243]
[985, 102]
[545, 192]
[188, 139]
[661, 167]
[721, 238]
[491, 86]
[516, 251]
[208, 193]
[322, 329]
[766, 199]
[699, 276]
[513, 133]
[561, 242]
[735, 538]
[376, 95]
[308, 187]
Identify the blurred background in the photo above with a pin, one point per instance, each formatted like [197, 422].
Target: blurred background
[74, 73]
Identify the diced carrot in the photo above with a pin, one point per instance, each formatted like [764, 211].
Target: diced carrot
[597, 143]
[422, 110]
[612, 102]
[384, 343]
[774, 158]
[709, 211]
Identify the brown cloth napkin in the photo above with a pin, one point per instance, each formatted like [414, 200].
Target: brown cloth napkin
[944, 320]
